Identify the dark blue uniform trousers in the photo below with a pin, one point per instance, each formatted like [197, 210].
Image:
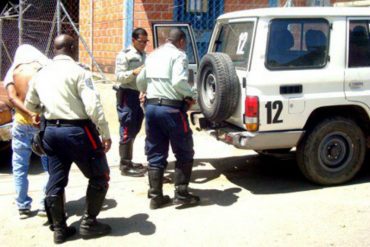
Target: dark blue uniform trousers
[167, 125]
[80, 144]
[130, 114]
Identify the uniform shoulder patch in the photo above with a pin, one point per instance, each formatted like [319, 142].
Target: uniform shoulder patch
[89, 83]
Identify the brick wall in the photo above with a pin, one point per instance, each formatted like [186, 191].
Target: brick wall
[107, 28]
[234, 5]
[84, 30]
[147, 11]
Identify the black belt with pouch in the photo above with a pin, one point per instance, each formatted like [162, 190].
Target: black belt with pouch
[165, 102]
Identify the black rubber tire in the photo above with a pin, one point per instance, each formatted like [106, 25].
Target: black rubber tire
[218, 87]
[332, 152]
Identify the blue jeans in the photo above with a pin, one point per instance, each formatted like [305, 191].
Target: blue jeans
[21, 145]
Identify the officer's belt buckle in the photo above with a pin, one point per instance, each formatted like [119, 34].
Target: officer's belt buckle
[160, 101]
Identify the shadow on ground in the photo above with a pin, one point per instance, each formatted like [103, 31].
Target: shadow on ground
[123, 226]
[260, 175]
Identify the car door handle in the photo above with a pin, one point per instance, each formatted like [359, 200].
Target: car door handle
[356, 84]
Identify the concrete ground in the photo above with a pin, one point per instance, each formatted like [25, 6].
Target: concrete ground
[246, 200]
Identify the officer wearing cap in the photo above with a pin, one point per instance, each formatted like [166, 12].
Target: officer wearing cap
[64, 93]
[169, 95]
[129, 63]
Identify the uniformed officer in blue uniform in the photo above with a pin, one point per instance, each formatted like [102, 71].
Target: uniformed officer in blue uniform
[64, 93]
[169, 96]
[129, 63]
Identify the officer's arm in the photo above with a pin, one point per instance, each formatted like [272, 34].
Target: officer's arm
[93, 106]
[180, 75]
[32, 101]
[141, 81]
[123, 75]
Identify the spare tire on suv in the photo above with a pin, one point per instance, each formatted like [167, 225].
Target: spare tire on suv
[218, 87]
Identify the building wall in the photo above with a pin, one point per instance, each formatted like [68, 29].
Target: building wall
[106, 22]
[147, 11]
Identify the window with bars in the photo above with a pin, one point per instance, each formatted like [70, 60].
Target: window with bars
[318, 2]
[197, 6]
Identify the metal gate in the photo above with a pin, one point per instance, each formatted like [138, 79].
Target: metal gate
[201, 14]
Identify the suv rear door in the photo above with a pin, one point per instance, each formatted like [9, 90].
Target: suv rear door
[357, 75]
[160, 34]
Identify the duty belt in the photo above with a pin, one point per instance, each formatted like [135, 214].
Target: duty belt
[166, 102]
[67, 122]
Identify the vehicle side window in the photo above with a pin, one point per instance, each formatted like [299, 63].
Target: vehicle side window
[359, 45]
[297, 43]
[235, 40]
[162, 34]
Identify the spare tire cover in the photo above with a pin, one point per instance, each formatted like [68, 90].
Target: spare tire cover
[218, 87]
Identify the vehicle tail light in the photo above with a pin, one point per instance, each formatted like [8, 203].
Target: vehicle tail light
[251, 113]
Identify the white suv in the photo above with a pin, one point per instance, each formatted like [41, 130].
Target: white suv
[278, 78]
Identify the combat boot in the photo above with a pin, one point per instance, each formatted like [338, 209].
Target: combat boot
[182, 179]
[90, 227]
[54, 207]
[155, 193]
[127, 167]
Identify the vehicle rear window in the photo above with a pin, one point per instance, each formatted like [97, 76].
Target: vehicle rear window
[235, 40]
[297, 43]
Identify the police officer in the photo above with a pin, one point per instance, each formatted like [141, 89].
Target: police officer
[165, 81]
[64, 93]
[129, 63]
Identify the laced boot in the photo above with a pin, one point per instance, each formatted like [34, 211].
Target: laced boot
[182, 179]
[54, 207]
[155, 193]
[90, 227]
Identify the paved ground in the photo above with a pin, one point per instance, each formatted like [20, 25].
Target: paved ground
[246, 201]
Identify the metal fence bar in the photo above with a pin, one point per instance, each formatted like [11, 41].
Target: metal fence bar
[50, 39]
[20, 22]
[83, 42]
[58, 17]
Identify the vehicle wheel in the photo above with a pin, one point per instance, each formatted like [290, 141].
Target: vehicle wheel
[218, 87]
[332, 152]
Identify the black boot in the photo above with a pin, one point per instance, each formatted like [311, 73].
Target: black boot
[54, 207]
[127, 167]
[90, 227]
[182, 179]
[155, 191]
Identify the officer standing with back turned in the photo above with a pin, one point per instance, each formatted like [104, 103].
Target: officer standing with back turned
[169, 95]
[129, 63]
[64, 93]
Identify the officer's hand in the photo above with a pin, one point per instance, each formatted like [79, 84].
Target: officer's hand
[106, 144]
[189, 103]
[35, 120]
[142, 97]
[137, 70]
